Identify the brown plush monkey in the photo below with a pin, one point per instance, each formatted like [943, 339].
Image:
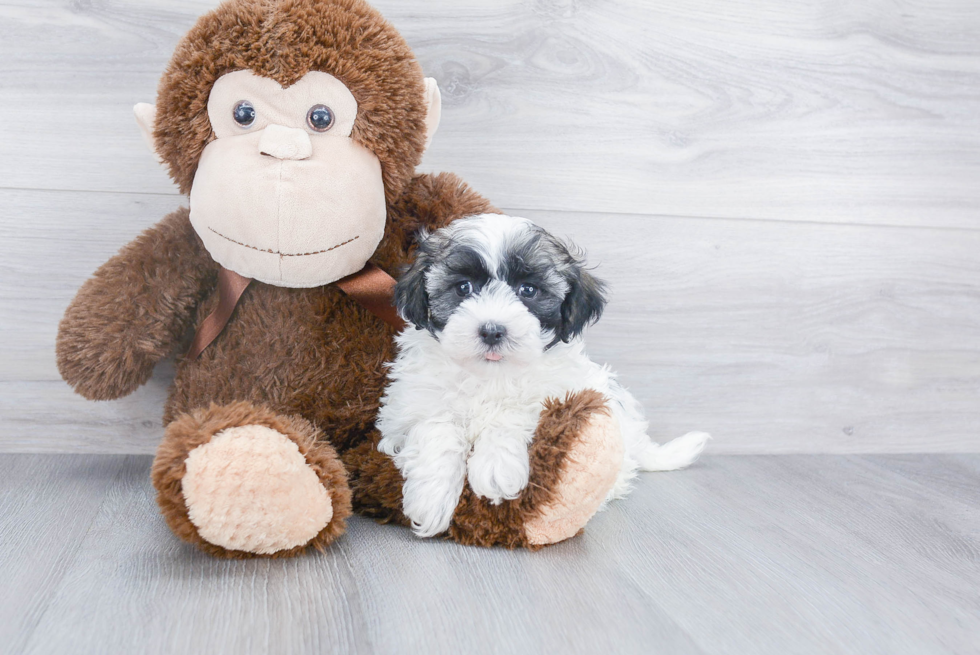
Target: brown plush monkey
[295, 127]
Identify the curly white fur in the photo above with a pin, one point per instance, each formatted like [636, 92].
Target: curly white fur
[453, 414]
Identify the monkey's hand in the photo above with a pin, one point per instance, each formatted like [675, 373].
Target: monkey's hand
[133, 311]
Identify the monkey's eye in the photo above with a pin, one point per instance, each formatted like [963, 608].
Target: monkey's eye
[464, 288]
[319, 118]
[528, 291]
[244, 113]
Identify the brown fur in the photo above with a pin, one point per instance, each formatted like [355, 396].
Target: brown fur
[311, 354]
[329, 351]
[134, 310]
[283, 41]
[197, 428]
[377, 485]
[479, 523]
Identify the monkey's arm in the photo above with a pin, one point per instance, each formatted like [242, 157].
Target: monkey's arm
[133, 311]
[433, 201]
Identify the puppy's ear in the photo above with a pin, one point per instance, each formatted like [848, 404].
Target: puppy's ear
[583, 303]
[411, 298]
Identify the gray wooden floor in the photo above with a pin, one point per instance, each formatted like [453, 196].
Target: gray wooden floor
[740, 554]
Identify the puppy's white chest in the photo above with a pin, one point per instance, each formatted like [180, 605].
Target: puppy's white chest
[482, 409]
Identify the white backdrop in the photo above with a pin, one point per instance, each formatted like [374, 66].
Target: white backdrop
[784, 198]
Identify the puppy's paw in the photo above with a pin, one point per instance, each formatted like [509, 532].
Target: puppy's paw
[498, 472]
[430, 503]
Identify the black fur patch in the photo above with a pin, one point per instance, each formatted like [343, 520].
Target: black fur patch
[583, 304]
[568, 297]
[411, 298]
[532, 260]
[461, 264]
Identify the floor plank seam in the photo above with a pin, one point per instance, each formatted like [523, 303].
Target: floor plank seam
[69, 563]
[520, 210]
[787, 221]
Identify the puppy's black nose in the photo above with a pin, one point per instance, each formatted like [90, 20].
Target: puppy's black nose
[492, 334]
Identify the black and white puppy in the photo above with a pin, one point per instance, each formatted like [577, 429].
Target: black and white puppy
[499, 306]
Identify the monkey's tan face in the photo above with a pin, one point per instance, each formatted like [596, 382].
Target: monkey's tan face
[284, 195]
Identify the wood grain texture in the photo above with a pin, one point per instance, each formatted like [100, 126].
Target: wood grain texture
[778, 554]
[773, 336]
[783, 337]
[786, 334]
[47, 505]
[49, 253]
[826, 110]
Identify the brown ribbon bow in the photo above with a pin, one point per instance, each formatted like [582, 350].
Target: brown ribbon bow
[371, 287]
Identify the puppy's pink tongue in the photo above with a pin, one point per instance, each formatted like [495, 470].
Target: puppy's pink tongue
[493, 357]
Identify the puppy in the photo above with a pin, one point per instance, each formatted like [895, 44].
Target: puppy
[499, 306]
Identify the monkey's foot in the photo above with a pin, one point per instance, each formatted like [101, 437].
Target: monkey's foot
[586, 472]
[574, 459]
[239, 480]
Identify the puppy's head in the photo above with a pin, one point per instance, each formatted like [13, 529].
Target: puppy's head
[497, 290]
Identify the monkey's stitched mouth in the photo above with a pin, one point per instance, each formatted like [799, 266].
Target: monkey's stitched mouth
[286, 254]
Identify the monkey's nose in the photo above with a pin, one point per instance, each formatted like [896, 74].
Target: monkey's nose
[285, 143]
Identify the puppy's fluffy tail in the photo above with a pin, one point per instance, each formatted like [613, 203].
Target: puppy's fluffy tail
[675, 454]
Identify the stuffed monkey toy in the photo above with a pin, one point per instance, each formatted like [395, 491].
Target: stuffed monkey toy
[295, 126]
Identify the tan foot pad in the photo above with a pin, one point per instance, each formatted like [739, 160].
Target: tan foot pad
[251, 489]
[589, 472]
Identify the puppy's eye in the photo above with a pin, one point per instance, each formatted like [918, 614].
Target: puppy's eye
[528, 291]
[319, 118]
[464, 289]
[244, 113]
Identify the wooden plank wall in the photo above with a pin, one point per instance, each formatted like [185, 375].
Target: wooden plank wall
[784, 196]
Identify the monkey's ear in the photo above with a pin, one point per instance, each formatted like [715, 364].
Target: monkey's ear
[433, 112]
[146, 116]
